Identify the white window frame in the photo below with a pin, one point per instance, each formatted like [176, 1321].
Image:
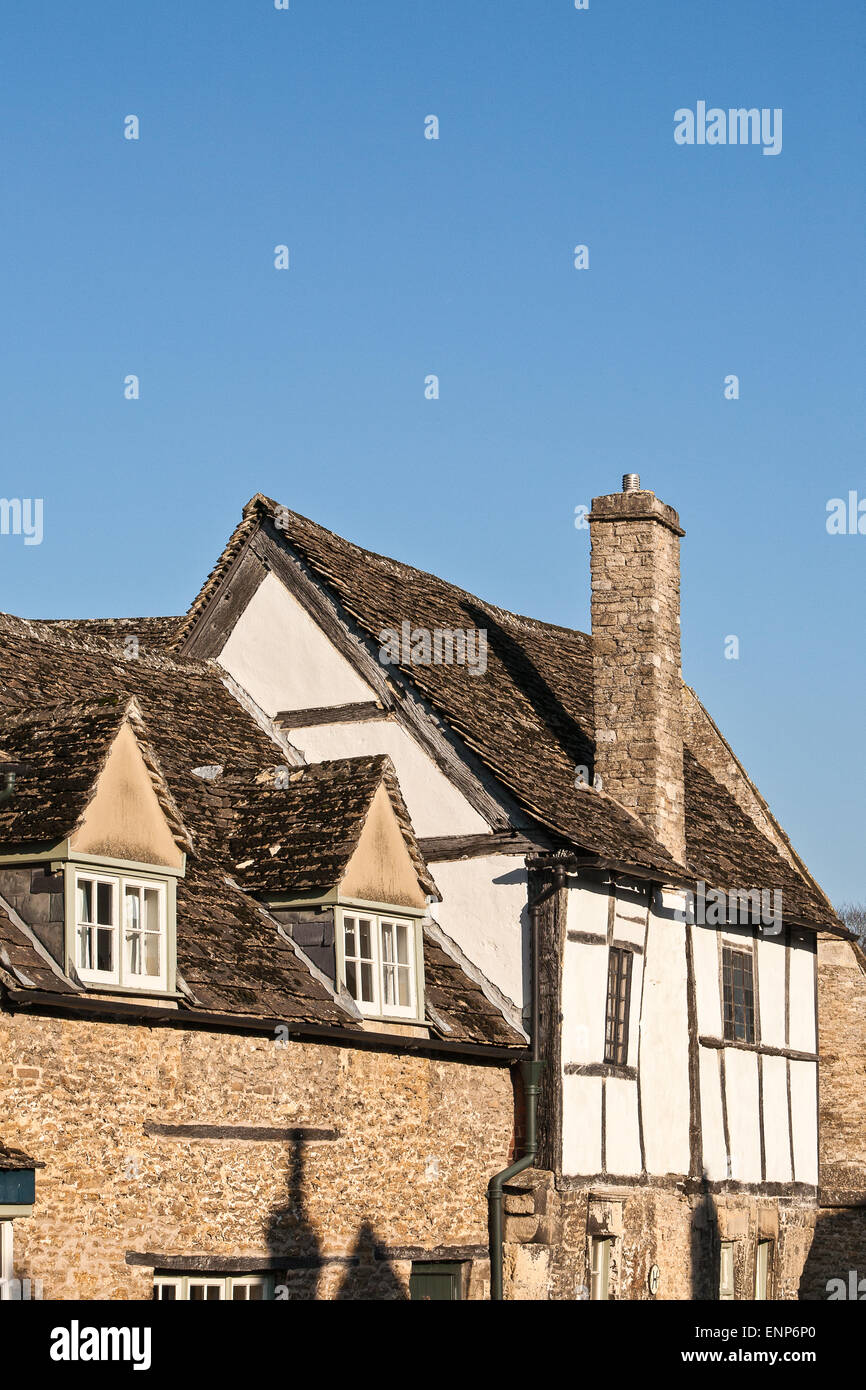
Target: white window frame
[6, 1260]
[599, 1269]
[120, 975]
[92, 974]
[143, 981]
[225, 1283]
[727, 1287]
[763, 1269]
[377, 1007]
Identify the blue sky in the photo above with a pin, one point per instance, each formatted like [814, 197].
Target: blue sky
[455, 257]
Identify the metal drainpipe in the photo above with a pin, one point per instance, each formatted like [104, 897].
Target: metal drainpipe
[531, 1076]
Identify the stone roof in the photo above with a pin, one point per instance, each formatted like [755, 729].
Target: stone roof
[63, 692]
[25, 960]
[300, 836]
[57, 754]
[530, 718]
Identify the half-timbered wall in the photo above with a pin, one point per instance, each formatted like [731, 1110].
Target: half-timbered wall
[686, 1102]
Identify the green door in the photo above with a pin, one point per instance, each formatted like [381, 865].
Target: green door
[437, 1280]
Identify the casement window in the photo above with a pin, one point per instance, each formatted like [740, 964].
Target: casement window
[6, 1267]
[120, 930]
[763, 1265]
[211, 1288]
[618, 998]
[439, 1280]
[379, 963]
[738, 993]
[726, 1270]
[599, 1272]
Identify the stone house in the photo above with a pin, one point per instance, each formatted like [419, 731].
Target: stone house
[360, 939]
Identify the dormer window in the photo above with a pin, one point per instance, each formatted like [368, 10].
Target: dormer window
[379, 963]
[121, 931]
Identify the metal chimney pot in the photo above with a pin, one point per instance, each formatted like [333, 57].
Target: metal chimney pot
[631, 482]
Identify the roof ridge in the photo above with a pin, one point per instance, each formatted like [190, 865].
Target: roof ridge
[261, 504]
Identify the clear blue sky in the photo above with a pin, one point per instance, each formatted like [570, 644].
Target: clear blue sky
[412, 256]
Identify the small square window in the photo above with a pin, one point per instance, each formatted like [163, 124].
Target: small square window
[379, 964]
[120, 932]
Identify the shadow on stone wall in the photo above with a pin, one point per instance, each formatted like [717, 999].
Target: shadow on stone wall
[369, 1278]
[704, 1245]
[837, 1253]
[291, 1235]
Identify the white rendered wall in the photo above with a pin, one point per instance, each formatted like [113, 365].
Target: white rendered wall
[581, 1125]
[484, 910]
[715, 1155]
[777, 1140]
[771, 953]
[584, 975]
[705, 947]
[283, 659]
[622, 1135]
[741, 1090]
[664, 1044]
[804, 1112]
[434, 804]
[802, 1007]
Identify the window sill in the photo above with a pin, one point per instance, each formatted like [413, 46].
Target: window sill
[401, 1027]
[100, 991]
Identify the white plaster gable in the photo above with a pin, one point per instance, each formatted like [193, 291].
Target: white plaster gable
[483, 909]
[434, 804]
[280, 656]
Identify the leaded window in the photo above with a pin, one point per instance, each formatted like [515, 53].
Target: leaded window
[738, 993]
[618, 996]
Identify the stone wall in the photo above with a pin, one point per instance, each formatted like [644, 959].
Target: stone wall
[417, 1140]
[839, 1248]
[549, 1234]
[842, 1078]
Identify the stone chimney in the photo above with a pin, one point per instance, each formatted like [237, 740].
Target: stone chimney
[635, 565]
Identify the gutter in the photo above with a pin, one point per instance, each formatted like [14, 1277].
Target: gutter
[153, 1016]
[530, 1071]
[575, 862]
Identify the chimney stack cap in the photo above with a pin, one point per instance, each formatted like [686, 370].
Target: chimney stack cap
[631, 482]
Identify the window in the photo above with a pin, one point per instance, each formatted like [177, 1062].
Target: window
[763, 1262]
[738, 995]
[6, 1260]
[618, 996]
[120, 931]
[211, 1288]
[429, 1282]
[726, 1270]
[599, 1274]
[380, 969]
